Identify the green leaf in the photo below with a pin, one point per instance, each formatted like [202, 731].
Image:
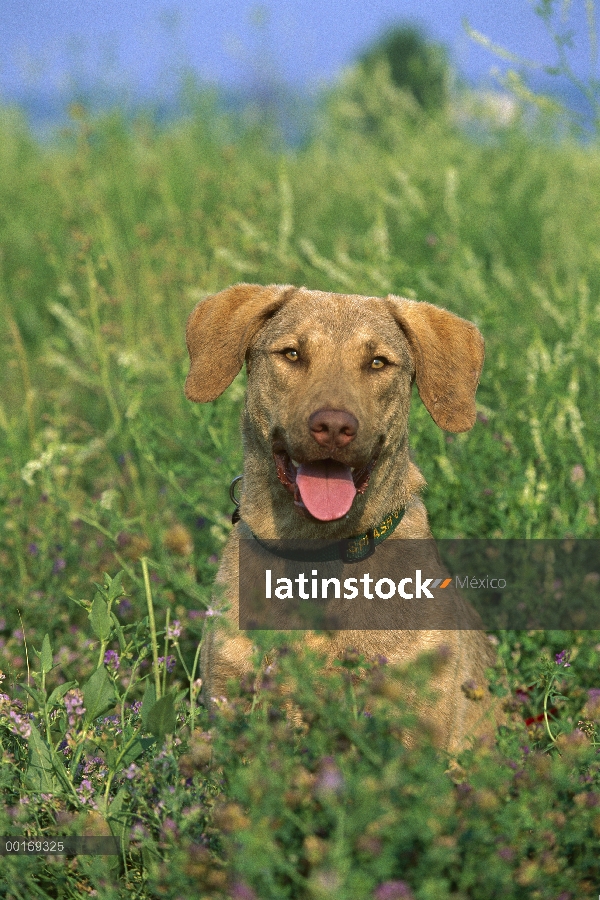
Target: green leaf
[84, 604]
[98, 694]
[185, 692]
[148, 702]
[162, 718]
[40, 771]
[100, 618]
[59, 692]
[117, 815]
[37, 695]
[46, 655]
[113, 587]
[136, 749]
[119, 632]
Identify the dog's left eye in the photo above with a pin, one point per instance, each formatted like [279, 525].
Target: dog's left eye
[291, 354]
[378, 363]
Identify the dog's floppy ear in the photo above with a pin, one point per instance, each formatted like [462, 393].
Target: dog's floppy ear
[448, 355]
[219, 331]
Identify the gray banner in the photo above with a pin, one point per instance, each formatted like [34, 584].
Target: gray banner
[421, 585]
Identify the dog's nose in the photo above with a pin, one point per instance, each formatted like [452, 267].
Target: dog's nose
[333, 428]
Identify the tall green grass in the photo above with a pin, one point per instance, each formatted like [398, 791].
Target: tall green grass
[108, 238]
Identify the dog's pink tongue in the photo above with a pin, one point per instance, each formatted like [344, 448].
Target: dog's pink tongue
[326, 488]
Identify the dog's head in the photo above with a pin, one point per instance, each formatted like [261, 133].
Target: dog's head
[330, 377]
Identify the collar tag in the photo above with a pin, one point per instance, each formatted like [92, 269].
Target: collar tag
[358, 549]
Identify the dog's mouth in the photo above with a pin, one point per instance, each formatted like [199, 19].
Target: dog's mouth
[324, 489]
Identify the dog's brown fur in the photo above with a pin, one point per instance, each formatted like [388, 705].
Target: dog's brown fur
[337, 336]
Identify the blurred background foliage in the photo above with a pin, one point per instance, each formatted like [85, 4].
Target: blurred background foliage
[416, 65]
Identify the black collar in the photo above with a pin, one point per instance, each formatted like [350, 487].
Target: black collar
[353, 549]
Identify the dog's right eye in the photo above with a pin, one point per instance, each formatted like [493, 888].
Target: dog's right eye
[291, 354]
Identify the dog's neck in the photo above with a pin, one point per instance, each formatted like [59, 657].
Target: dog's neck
[268, 509]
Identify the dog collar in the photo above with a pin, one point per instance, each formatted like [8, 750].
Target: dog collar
[348, 550]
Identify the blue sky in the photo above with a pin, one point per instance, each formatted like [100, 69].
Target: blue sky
[142, 45]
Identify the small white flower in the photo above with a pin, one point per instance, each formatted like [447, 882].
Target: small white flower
[212, 612]
[29, 470]
[128, 360]
[107, 498]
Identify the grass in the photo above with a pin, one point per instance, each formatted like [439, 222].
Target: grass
[107, 241]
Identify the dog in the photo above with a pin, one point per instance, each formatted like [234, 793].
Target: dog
[326, 456]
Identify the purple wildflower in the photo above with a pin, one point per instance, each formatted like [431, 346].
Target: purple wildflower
[330, 779]
[169, 829]
[170, 662]
[33, 549]
[74, 705]
[59, 565]
[20, 725]
[95, 766]
[393, 890]
[85, 792]
[174, 629]
[562, 658]
[209, 612]
[577, 474]
[241, 891]
[111, 660]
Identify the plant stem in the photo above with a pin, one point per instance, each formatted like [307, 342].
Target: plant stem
[192, 694]
[144, 563]
[164, 687]
[101, 352]
[546, 722]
